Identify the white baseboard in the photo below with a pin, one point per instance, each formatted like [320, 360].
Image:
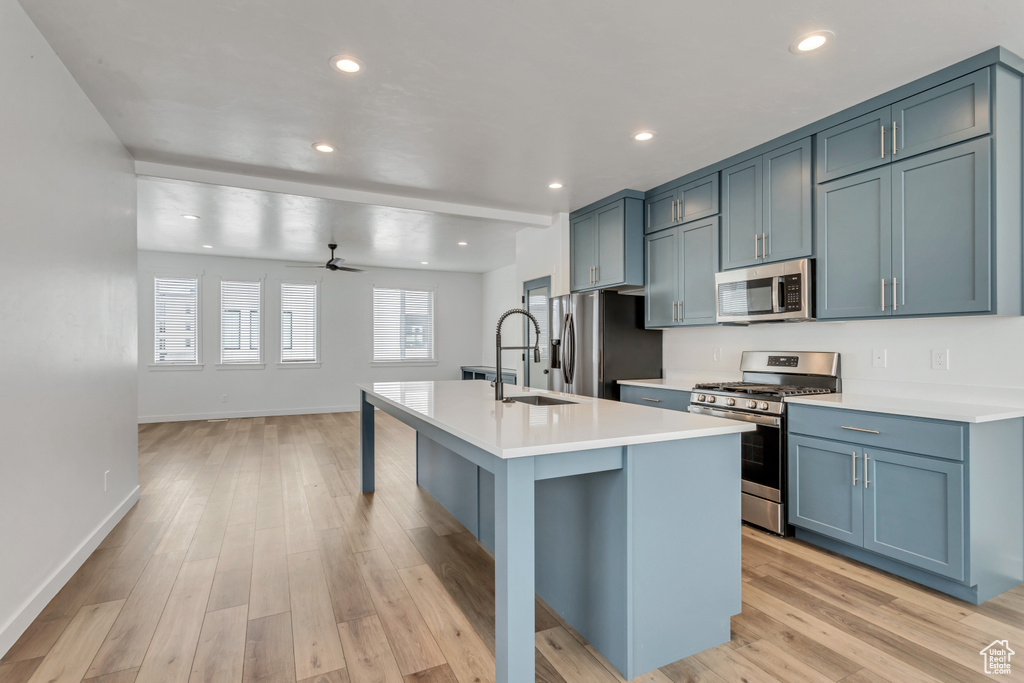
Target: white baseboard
[188, 417]
[22, 619]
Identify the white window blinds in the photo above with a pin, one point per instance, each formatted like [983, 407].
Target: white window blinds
[176, 333]
[403, 324]
[298, 323]
[239, 322]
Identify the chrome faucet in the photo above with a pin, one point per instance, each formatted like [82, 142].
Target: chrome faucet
[499, 394]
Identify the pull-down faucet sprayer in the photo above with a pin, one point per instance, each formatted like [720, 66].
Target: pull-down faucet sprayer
[499, 394]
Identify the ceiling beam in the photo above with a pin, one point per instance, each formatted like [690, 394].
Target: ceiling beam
[341, 194]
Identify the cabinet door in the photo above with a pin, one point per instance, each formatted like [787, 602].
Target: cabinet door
[787, 202]
[942, 253]
[662, 278]
[947, 114]
[699, 198]
[854, 146]
[741, 214]
[700, 263]
[611, 244]
[825, 488]
[914, 511]
[661, 211]
[583, 238]
[854, 230]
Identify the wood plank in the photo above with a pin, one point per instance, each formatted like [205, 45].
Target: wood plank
[349, 597]
[119, 581]
[466, 653]
[169, 657]
[126, 676]
[655, 676]
[314, 631]
[691, 670]
[209, 536]
[130, 523]
[298, 525]
[437, 674]
[322, 509]
[20, 671]
[69, 657]
[367, 652]
[401, 550]
[268, 591]
[126, 644]
[338, 676]
[413, 645]
[221, 651]
[357, 526]
[570, 658]
[234, 568]
[183, 527]
[269, 656]
[724, 661]
[779, 664]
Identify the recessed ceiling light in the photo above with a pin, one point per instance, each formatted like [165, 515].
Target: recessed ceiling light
[323, 147]
[555, 186]
[809, 42]
[346, 64]
[425, 263]
[644, 136]
[462, 244]
[207, 246]
[190, 216]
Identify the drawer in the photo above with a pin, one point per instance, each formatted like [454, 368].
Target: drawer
[936, 438]
[670, 399]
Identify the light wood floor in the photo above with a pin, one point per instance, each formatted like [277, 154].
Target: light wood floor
[251, 556]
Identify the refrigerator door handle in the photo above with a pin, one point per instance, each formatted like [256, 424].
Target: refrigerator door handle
[570, 365]
[564, 350]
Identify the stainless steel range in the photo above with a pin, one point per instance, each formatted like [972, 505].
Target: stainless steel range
[768, 378]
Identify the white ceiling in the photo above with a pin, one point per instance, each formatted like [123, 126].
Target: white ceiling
[479, 104]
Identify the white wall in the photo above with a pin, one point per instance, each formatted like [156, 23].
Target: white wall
[346, 338]
[986, 354]
[501, 291]
[67, 325]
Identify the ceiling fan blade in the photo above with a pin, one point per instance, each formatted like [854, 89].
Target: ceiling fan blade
[336, 261]
[305, 266]
[350, 269]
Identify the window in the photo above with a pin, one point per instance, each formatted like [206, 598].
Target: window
[175, 313]
[298, 323]
[403, 325]
[239, 322]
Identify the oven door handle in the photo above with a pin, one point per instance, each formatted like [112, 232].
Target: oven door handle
[733, 415]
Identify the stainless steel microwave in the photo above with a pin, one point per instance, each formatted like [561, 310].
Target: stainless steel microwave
[773, 292]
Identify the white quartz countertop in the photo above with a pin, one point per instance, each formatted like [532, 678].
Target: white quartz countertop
[682, 381]
[467, 410]
[912, 407]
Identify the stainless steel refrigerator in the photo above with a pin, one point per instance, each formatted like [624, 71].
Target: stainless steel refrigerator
[599, 338]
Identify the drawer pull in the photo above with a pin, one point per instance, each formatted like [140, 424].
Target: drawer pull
[652, 400]
[858, 429]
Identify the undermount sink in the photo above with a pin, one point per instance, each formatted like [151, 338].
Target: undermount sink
[540, 400]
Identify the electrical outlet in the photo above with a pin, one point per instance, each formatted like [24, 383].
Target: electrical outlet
[879, 358]
[940, 359]
[106, 476]
[224, 398]
[718, 353]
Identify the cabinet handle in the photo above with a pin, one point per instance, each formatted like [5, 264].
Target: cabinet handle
[597, 274]
[675, 211]
[652, 400]
[756, 239]
[894, 138]
[854, 454]
[764, 245]
[673, 311]
[858, 429]
[883, 293]
[866, 482]
[883, 142]
[894, 304]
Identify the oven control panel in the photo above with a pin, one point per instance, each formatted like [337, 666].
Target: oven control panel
[783, 361]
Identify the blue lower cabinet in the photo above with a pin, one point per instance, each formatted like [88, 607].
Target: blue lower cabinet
[824, 488]
[669, 399]
[949, 516]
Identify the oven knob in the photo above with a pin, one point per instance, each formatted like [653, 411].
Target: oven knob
[730, 401]
[711, 399]
[751, 404]
[764, 405]
[702, 397]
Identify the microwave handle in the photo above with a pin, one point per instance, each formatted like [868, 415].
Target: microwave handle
[779, 294]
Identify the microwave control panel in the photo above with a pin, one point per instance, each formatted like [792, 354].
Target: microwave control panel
[791, 286]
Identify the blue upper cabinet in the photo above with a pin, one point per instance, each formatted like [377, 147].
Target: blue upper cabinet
[947, 114]
[913, 238]
[680, 281]
[766, 207]
[606, 243]
[688, 202]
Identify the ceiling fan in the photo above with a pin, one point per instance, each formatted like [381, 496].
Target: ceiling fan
[335, 263]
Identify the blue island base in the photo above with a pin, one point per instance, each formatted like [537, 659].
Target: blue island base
[642, 559]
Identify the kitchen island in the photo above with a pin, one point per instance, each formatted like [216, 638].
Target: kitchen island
[624, 519]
